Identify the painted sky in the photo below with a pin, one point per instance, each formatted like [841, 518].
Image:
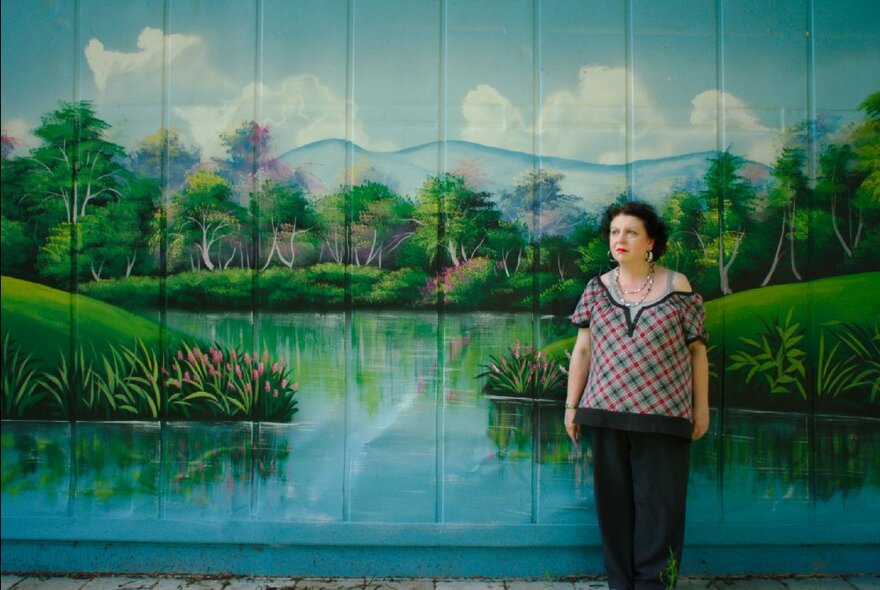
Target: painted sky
[539, 76]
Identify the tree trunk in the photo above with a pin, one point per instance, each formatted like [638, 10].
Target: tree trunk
[204, 248]
[778, 253]
[96, 274]
[129, 265]
[837, 233]
[791, 239]
[452, 253]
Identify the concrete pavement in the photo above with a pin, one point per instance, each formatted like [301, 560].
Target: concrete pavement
[116, 582]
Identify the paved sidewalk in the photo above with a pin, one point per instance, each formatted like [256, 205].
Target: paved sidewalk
[85, 582]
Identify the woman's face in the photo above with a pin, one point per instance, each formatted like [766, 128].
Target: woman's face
[628, 239]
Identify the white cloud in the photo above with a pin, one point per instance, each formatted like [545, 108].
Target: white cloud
[205, 100]
[588, 122]
[492, 119]
[151, 45]
[20, 131]
[298, 110]
[744, 131]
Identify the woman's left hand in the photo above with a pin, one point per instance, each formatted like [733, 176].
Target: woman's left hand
[701, 421]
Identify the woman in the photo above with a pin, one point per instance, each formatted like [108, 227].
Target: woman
[639, 379]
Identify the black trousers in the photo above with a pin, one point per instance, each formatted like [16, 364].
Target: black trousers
[640, 484]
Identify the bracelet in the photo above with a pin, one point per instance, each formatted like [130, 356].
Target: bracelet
[569, 406]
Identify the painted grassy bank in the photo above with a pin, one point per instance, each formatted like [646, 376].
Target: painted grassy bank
[67, 356]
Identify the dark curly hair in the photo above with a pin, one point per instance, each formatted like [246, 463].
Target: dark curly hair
[654, 225]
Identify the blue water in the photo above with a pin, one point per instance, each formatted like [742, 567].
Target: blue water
[771, 471]
[394, 428]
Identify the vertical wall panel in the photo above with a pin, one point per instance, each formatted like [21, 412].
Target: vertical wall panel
[52, 35]
[766, 71]
[391, 437]
[665, 33]
[845, 44]
[113, 244]
[302, 101]
[490, 104]
[582, 116]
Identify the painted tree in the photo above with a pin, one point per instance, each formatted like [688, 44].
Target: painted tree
[76, 165]
[837, 191]
[508, 246]
[335, 221]
[593, 256]
[866, 144]
[684, 214]
[539, 204]
[365, 224]
[728, 198]
[283, 214]
[454, 219]
[788, 189]
[164, 157]
[203, 215]
[381, 227]
[250, 158]
[558, 255]
[115, 237]
[55, 258]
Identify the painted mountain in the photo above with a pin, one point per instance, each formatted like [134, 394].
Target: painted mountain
[322, 164]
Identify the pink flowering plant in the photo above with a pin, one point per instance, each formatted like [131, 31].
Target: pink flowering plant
[525, 372]
[231, 385]
[463, 285]
[140, 382]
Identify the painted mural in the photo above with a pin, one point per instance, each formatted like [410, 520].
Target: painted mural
[313, 261]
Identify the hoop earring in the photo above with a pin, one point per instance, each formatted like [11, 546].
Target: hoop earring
[649, 256]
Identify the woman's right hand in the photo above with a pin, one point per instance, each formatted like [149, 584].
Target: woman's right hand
[571, 427]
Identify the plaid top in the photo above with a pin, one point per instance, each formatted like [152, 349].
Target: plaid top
[640, 367]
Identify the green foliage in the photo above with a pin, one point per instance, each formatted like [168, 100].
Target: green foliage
[54, 261]
[538, 203]
[163, 153]
[453, 220]
[866, 141]
[22, 387]
[204, 217]
[286, 218]
[525, 372]
[127, 383]
[70, 381]
[16, 247]
[75, 165]
[399, 287]
[280, 288]
[562, 296]
[860, 369]
[776, 357]
[132, 292]
[669, 576]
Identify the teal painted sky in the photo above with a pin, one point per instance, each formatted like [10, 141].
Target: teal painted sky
[545, 77]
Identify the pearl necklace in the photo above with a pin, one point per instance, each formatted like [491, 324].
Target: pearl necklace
[646, 286]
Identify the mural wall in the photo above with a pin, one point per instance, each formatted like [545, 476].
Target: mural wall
[312, 262]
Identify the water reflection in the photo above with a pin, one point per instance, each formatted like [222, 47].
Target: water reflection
[777, 468]
[394, 427]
